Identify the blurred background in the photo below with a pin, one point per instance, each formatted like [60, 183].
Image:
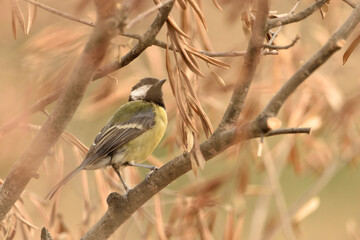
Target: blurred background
[231, 198]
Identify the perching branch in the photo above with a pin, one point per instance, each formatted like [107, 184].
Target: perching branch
[109, 19]
[275, 22]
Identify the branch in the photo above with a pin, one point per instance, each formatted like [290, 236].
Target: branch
[350, 3]
[288, 131]
[282, 47]
[251, 61]
[27, 165]
[275, 22]
[60, 13]
[336, 41]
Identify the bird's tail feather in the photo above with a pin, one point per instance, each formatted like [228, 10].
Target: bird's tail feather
[63, 181]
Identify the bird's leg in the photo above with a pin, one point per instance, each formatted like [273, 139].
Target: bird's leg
[152, 168]
[142, 165]
[126, 187]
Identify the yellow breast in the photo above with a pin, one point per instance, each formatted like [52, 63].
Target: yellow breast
[140, 148]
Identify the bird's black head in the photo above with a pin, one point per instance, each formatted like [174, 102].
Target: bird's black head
[148, 89]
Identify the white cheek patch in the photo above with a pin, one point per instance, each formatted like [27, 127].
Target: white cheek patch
[140, 92]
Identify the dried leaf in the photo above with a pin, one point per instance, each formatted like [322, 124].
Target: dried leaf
[308, 208]
[182, 3]
[31, 16]
[229, 225]
[198, 154]
[204, 37]
[351, 48]
[324, 9]
[159, 218]
[17, 14]
[193, 66]
[219, 79]
[13, 24]
[175, 27]
[198, 12]
[204, 229]
[169, 68]
[194, 165]
[215, 2]
[75, 142]
[206, 187]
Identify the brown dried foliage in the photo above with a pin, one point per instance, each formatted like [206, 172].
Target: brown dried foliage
[205, 207]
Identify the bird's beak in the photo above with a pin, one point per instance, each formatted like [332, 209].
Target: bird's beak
[161, 82]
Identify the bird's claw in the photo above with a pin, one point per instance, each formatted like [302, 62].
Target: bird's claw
[147, 177]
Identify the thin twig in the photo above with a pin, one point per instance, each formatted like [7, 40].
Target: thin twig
[350, 3]
[288, 131]
[273, 177]
[143, 15]
[275, 22]
[282, 47]
[60, 13]
[275, 35]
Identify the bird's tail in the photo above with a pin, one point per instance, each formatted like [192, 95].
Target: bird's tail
[63, 181]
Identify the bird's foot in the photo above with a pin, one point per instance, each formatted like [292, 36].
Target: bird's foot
[147, 177]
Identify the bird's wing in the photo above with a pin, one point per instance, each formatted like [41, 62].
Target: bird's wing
[115, 135]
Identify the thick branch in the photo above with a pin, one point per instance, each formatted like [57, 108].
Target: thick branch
[27, 165]
[336, 41]
[275, 22]
[251, 61]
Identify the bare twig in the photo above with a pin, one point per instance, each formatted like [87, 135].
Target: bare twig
[143, 15]
[275, 35]
[38, 106]
[275, 22]
[350, 3]
[233, 53]
[273, 177]
[95, 50]
[282, 47]
[288, 131]
[61, 14]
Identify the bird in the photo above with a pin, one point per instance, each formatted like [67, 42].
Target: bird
[130, 136]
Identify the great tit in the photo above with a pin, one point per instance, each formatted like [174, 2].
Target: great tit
[130, 136]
